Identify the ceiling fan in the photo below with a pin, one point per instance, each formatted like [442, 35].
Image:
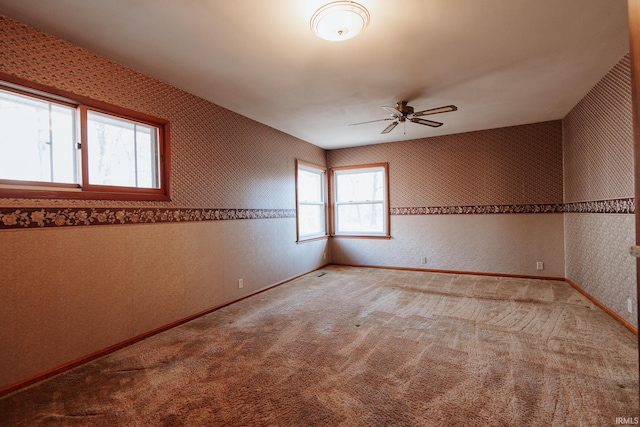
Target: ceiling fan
[403, 112]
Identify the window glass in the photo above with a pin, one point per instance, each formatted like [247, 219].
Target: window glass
[311, 205]
[37, 140]
[310, 185]
[361, 206]
[55, 147]
[360, 186]
[356, 218]
[121, 152]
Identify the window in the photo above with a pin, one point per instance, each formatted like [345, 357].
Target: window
[36, 140]
[310, 200]
[121, 152]
[360, 201]
[57, 147]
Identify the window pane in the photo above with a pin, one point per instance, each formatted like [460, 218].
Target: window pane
[360, 218]
[145, 152]
[121, 152]
[309, 186]
[37, 140]
[311, 201]
[310, 219]
[360, 187]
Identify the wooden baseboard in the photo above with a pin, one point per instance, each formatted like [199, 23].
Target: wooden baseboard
[606, 309]
[471, 273]
[105, 351]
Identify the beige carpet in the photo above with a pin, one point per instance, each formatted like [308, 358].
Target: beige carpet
[362, 347]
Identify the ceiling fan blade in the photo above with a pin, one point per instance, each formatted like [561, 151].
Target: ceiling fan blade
[393, 111]
[390, 127]
[371, 121]
[438, 110]
[426, 122]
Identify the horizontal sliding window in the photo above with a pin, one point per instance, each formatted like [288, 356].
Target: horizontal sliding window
[37, 140]
[57, 147]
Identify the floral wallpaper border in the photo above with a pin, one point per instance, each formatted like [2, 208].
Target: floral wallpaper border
[489, 209]
[616, 206]
[54, 217]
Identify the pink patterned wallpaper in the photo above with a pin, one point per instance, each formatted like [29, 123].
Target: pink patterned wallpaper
[598, 140]
[598, 167]
[220, 160]
[508, 166]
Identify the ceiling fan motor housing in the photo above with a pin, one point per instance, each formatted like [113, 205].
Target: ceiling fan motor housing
[404, 108]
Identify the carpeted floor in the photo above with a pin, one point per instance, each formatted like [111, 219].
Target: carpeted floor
[362, 347]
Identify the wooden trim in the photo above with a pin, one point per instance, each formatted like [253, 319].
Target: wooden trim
[633, 7]
[365, 166]
[80, 194]
[84, 146]
[118, 346]
[387, 204]
[634, 51]
[470, 273]
[388, 199]
[606, 309]
[85, 190]
[312, 239]
[325, 192]
[362, 236]
[52, 185]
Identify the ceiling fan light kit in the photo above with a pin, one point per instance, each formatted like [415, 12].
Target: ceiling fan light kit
[403, 112]
[339, 20]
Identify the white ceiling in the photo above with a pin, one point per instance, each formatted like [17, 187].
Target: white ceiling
[502, 62]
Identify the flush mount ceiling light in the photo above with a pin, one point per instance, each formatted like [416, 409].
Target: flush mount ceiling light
[339, 20]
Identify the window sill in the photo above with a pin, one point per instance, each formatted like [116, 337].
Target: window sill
[362, 236]
[77, 194]
[312, 239]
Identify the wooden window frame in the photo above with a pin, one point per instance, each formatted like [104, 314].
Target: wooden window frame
[386, 234]
[325, 192]
[49, 190]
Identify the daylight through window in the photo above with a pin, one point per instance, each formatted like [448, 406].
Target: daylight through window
[311, 200]
[360, 201]
[36, 140]
[55, 147]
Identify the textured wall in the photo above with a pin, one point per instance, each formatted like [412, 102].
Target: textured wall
[597, 258]
[598, 165]
[514, 165]
[219, 158]
[598, 140]
[69, 290]
[503, 244]
[511, 169]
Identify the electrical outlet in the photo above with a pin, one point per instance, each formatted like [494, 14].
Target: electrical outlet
[539, 265]
[423, 261]
[240, 283]
[324, 255]
[629, 305]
